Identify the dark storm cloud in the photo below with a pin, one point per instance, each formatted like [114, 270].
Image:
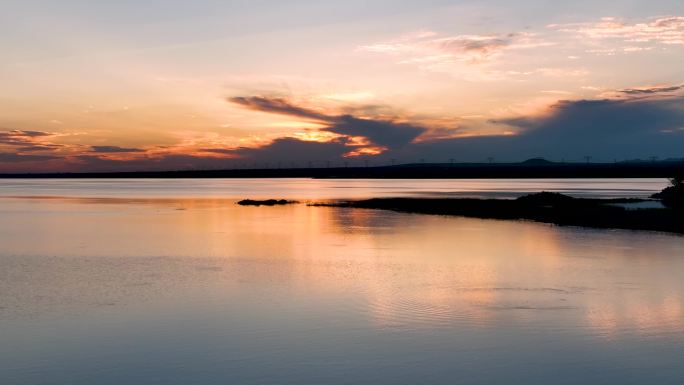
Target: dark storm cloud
[380, 132]
[114, 149]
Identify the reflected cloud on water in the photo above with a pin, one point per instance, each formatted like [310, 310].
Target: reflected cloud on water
[400, 271]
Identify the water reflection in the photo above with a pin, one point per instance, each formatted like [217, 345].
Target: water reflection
[410, 268]
[326, 188]
[190, 279]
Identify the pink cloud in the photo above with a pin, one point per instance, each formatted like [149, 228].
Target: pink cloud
[663, 30]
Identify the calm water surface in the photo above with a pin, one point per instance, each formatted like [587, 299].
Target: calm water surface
[169, 282]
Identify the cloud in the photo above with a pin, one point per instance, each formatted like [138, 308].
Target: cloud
[32, 134]
[278, 106]
[114, 149]
[606, 129]
[485, 57]
[651, 90]
[38, 147]
[28, 141]
[294, 150]
[645, 124]
[662, 30]
[97, 163]
[19, 137]
[19, 158]
[223, 151]
[603, 129]
[636, 122]
[471, 48]
[379, 132]
[480, 45]
[467, 56]
[607, 115]
[464, 46]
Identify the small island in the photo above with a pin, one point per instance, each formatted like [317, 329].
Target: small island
[265, 202]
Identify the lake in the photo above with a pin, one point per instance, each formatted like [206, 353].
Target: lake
[170, 282]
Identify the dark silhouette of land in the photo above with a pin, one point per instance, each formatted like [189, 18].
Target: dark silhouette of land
[266, 202]
[672, 196]
[663, 212]
[533, 168]
[541, 207]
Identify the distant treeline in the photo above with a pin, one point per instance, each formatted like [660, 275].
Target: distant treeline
[536, 168]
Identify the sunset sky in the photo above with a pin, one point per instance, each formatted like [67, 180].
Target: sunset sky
[150, 85]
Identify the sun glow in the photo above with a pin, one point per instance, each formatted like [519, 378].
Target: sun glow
[365, 151]
[316, 136]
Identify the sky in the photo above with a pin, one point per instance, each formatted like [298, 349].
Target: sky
[207, 84]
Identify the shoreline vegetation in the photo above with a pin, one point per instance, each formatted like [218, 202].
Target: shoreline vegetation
[542, 207]
[664, 212]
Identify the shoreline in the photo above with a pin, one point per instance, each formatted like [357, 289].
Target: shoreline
[552, 208]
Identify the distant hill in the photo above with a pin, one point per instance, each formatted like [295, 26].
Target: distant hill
[537, 162]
